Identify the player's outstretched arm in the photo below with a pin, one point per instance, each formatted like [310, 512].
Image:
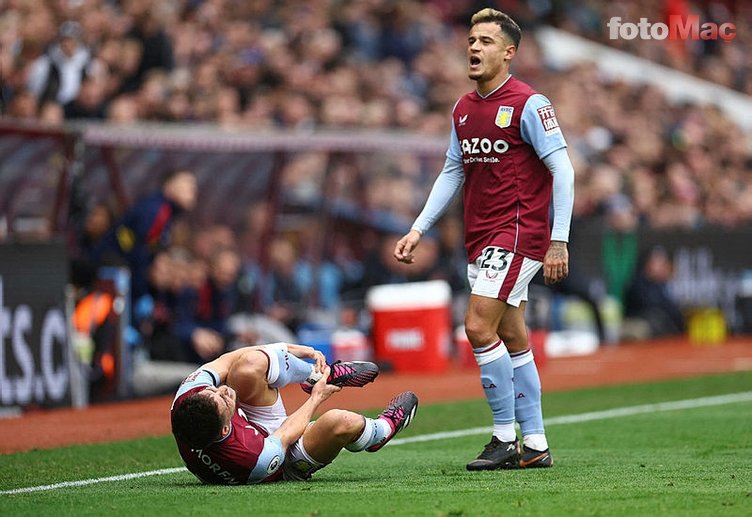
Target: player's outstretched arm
[295, 424]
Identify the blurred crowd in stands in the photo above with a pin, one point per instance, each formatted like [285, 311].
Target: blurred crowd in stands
[255, 65]
[386, 64]
[197, 292]
[713, 60]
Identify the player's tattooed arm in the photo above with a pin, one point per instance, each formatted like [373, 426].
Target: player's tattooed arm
[556, 262]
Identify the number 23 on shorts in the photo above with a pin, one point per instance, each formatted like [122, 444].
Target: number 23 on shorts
[494, 258]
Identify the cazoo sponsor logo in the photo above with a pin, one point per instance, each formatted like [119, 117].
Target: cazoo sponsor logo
[471, 147]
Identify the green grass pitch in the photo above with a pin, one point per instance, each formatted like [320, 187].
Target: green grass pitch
[691, 461]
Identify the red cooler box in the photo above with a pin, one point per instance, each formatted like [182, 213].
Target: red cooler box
[412, 328]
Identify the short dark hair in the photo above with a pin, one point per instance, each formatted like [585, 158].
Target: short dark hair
[508, 26]
[196, 421]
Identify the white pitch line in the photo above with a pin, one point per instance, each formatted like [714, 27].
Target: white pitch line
[558, 420]
[84, 482]
[595, 415]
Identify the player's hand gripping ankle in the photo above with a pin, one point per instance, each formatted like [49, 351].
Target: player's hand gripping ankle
[321, 390]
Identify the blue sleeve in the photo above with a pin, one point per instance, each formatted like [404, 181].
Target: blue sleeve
[447, 184]
[563, 193]
[200, 377]
[539, 127]
[454, 152]
[269, 461]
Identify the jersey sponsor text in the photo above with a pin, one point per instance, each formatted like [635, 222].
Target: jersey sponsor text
[216, 468]
[548, 119]
[483, 145]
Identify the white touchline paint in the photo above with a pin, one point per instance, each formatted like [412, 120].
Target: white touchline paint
[557, 420]
[65, 484]
[594, 415]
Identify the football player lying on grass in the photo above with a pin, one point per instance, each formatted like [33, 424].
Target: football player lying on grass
[231, 426]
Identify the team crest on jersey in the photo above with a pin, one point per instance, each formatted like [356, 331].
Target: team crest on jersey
[504, 116]
[548, 119]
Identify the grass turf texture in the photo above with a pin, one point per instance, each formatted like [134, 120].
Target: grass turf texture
[682, 462]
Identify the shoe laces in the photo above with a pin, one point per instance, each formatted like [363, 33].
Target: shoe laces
[395, 413]
[339, 369]
[493, 444]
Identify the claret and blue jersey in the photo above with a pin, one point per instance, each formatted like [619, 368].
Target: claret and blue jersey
[246, 455]
[501, 139]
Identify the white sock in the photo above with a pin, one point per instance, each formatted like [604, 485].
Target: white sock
[375, 430]
[505, 432]
[537, 442]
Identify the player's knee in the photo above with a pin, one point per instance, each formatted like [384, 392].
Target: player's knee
[254, 364]
[479, 333]
[514, 340]
[343, 423]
